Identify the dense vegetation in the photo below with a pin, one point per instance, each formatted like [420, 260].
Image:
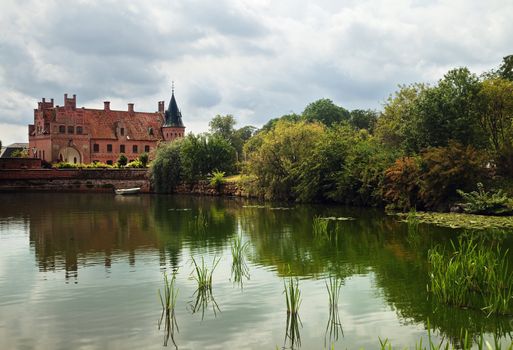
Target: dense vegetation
[426, 144]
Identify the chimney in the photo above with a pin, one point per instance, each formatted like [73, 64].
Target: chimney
[106, 105]
[131, 107]
[161, 106]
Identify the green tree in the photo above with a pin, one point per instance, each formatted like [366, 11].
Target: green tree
[223, 125]
[166, 169]
[326, 112]
[506, 69]
[363, 119]
[144, 158]
[395, 126]
[275, 157]
[449, 111]
[496, 111]
[292, 117]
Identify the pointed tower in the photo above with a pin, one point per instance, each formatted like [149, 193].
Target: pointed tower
[173, 127]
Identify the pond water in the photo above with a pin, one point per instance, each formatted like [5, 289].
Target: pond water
[83, 271]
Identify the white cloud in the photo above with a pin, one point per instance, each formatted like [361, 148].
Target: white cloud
[253, 59]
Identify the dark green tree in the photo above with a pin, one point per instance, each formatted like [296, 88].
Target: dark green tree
[363, 119]
[326, 112]
[122, 160]
[166, 169]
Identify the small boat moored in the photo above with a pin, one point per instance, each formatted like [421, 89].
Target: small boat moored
[125, 191]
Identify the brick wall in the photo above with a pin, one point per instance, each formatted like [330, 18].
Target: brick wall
[20, 163]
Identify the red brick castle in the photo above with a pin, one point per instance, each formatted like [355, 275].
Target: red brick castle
[84, 135]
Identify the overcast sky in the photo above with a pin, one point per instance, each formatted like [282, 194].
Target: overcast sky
[254, 59]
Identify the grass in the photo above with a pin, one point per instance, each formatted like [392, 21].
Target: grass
[334, 326]
[320, 228]
[202, 274]
[240, 269]
[203, 294]
[475, 274]
[168, 302]
[200, 223]
[292, 295]
[413, 228]
[464, 342]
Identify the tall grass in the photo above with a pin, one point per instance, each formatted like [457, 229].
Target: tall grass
[200, 223]
[334, 326]
[413, 228]
[203, 294]
[474, 274]
[292, 295]
[168, 302]
[240, 268]
[320, 228]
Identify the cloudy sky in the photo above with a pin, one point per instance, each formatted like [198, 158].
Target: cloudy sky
[254, 59]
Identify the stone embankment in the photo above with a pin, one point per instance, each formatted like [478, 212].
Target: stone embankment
[98, 180]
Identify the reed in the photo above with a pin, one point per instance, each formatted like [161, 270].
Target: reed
[334, 325]
[475, 274]
[200, 223]
[240, 268]
[168, 302]
[292, 295]
[320, 228]
[292, 333]
[413, 228]
[202, 274]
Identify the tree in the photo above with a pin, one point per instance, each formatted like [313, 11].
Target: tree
[506, 69]
[292, 117]
[395, 127]
[223, 125]
[449, 111]
[275, 157]
[363, 119]
[326, 112]
[496, 111]
[166, 169]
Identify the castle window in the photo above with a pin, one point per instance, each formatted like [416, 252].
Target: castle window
[96, 148]
[150, 131]
[79, 130]
[71, 129]
[62, 129]
[134, 149]
[121, 148]
[146, 148]
[122, 131]
[109, 148]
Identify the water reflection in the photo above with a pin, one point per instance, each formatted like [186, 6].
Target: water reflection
[71, 232]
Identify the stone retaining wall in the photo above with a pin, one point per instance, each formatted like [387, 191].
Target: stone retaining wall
[73, 180]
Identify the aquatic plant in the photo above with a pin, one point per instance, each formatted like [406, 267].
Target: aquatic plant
[334, 325]
[239, 267]
[200, 222]
[486, 203]
[320, 228]
[292, 295]
[413, 227]
[217, 179]
[203, 294]
[467, 221]
[202, 274]
[292, 333]
[168, 302]
[475, 274]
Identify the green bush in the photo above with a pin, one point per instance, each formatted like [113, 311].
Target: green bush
[484, 202]
[144, 158]
[135, 164]
[217, 179]
[122, 160]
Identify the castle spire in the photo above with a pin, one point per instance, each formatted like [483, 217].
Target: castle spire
[173, 114]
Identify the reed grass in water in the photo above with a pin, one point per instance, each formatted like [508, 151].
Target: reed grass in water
[334, 326]
[320, 228]
[168, 302]
[474, 274]
[240, 269]
[202, 274]
[292, 295]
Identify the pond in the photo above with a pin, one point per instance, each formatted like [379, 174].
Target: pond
[83, 271]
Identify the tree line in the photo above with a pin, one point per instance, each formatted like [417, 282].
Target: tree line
[426, 143]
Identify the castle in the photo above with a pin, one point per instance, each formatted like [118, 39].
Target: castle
[84, 135]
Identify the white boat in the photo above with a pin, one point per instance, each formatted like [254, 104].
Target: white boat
[124, 191]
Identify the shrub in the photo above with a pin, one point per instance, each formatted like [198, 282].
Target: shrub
[166, 168]
[488, 203]
[402, 183]
[143, 158]
[122, 160]
[217, 179]
[446, 169]
[135, 164]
